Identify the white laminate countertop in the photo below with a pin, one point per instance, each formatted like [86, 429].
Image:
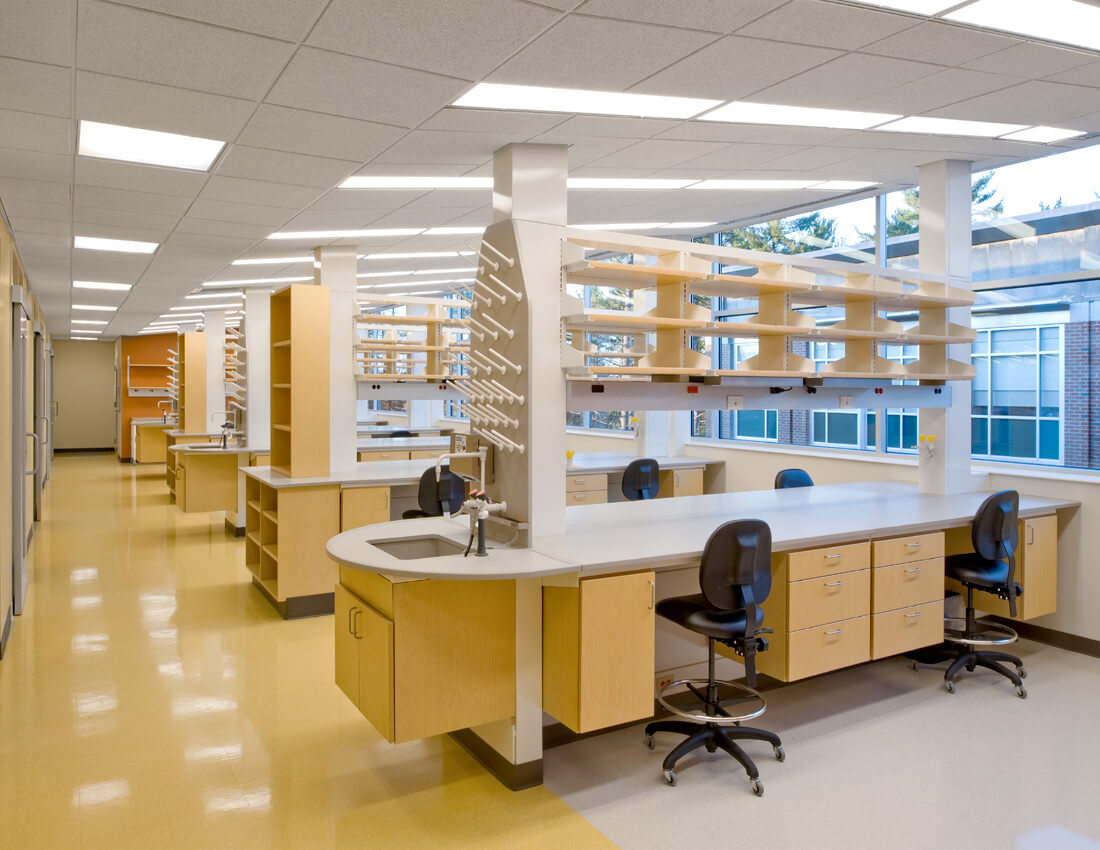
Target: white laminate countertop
[622, 536]
[599, 462]
[178, 433]
[203, 449]
[366, 474]
[433, 430]
[152, 420]
[381, 444]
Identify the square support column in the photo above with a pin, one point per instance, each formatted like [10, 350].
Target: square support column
[945, 239]
[257, 340]
[214, 325]
[338, 267]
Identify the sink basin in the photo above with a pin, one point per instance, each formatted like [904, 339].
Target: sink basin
[207, 447]
[414, 548]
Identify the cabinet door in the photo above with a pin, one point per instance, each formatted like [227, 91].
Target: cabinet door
[375, 637]
[1039, 575]
[681, 482]
[361, 506]
[347, 643]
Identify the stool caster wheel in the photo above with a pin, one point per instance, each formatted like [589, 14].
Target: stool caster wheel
[1020, 692]
[1021, 672]
[649, 741]
[914, 665]
[757, 787]
[779, 754]
[949, 687]
[670, 776]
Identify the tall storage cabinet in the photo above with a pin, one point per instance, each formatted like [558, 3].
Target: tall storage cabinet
[192, 383]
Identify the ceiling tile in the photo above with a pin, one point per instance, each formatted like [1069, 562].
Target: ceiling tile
[102, 265]
[133, 103]
[734, 67]
[583, 149]
[742, 156]
[815, 159]
[1035, 102]
[1029, 59]
[22, 208]
[83, 214]
[714, 15]
[1085, 75]
[827, 24]
[659, 153]
[35, 165]
[361, 199]
[331, 219]
[286, 19]
[625, 128]
[260, 192]
[47, 226]
[941, 42]
[845, 80]
[156, 48]
[300, 131]
[35, 190]
[936, 90]
[32, 87]
[519, 124]
[445, 147]
[576, 52]
[127, 201]
[138, 178]
[39, 30]
[460, 38]
[245, 213]
[211, 227]
[283, 167]
[32, 131]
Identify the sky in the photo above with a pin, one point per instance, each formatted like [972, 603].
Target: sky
[1074, 176]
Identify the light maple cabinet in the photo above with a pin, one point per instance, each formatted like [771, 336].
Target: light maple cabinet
[680, 482]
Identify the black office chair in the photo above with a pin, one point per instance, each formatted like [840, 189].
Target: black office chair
[641, 479]
[990, 568]
[735, 578]
[401, 433]
[438, 498]
[792, 478]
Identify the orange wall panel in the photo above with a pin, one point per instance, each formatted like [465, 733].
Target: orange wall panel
[152, 348]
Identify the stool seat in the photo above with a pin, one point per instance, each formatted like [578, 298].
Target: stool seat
[973, 569]
[694, 614]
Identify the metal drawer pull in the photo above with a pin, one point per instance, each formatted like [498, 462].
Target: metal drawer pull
[578, 480]
[833, 583]
[837, 555]
[911, 616]
[834, 632]
[914, 570]
[915, 544]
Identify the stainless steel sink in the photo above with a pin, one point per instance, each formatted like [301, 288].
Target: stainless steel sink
[415, 548]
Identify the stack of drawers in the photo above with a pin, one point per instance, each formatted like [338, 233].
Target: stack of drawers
[586, 489]
[843, 605]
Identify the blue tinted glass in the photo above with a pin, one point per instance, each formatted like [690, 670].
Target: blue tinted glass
[750, 423]
[979, 436]
[871, 430]
[1012, 437]
[773, 423]
[1049, 439]
[844, 428]
[909, 432]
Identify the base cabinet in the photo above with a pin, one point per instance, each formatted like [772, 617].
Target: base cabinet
[422, 658]
[598, 646]
[680, 482]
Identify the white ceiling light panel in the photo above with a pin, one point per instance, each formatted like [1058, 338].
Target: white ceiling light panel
[272, 261]
[99, 307]
[949, 127]
[124, 246]
[346, 234]
[147, 147]
[1065, 21]
[96, 284]
[255, 280]
[1043, 135]
[371, 181]
[753, 185]
[583, 101]
[743, 112]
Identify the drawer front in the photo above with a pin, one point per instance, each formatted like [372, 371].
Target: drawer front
[585, 483]
[905, 550]
[420, 454]
[384, 455]
[829, 647]
[811, 563]
[817, 601]
[373, 589]
[592, 497]
[902, 585]
[907, 628]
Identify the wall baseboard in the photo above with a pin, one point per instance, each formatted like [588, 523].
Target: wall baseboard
[95, 450]
[1053, 637]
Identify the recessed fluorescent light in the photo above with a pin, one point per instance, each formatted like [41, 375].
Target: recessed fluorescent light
[99, 307]
[415, 255]
[466, 269]
[1043, 135]
[626, 183]
[917, 7]
[85, 338]
[193, 309]
[272, 261]
[86, 330]
[125, 246]
[621, 226]
[88, 322]
[1065, 21]
[370, 181]
[453, 231]
[842, 185]
[949, 127]
[95, 284]
[346, 234]
[743, 112]
[148, 147]
[544, 99]
[250, 281]
[198, 295]
[752, 184]
[687, 225]
[382, 274]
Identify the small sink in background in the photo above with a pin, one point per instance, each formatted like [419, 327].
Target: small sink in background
[415, 548]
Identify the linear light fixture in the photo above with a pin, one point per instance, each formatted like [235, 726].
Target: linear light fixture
[124, 246]
[272, 261]
[1065, 21]
[193, 309]
[459, 270]
[917, 7]
[416, 283]
[1043, 135]
[843, 185]
[453, 231]
[198, 295]
[99, 307]
[753, 184]
[255, 280]
[950, 127]
[147, 147]
[416, 255]
[650, 225]
[88, 322]
[626, 183]
[373, 181]
[686, 225]
[584, 101]
[743, 112]
[346, 234]
[382, 274]
[96, 284]
[85, 338]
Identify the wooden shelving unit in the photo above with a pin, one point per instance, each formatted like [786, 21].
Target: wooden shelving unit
[780, 285]
[191, 375]
[403, 348]
[300, 381]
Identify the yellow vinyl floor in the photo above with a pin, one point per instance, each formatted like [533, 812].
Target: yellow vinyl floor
[150, 698]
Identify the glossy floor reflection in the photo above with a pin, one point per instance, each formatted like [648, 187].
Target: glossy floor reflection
[151, 698]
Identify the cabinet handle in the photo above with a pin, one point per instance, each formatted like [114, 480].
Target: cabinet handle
[911, 616]
[834, 632]
[832, 557]
[578, 480]
[351, 628]
[355, 623]
[677, 476]
[914, 570]
[1030, 534]
[833, 583]
[652, 595]
[579, 497]
[914, 545]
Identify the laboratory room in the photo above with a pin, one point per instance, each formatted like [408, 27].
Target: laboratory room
[549, 424]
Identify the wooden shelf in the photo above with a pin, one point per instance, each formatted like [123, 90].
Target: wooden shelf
[271, 516]
[281, 343]
[613, 322]
[286, 428]
[626, 276]
[271, 550]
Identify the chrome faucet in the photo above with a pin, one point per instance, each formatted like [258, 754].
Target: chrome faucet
[227, 426]
[167, 410]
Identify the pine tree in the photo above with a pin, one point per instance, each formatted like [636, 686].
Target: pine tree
[984, 203]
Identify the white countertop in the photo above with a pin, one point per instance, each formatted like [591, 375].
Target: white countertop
[366, 474]
[386, 429]
[202, 449]
[381, 444]
[622, 536]
[178, 433]
[598, 462]
[153, 420]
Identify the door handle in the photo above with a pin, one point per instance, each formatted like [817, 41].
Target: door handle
[46, 432]
[37, 448]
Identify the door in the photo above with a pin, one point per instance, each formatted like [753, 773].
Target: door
[41, 422]
[51, 409]
[24, 448]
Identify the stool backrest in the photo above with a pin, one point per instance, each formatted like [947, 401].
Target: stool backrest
[995, 533]
[443, 497]
[792, 478]
[641, 479]
[736, 571]
[400, 432]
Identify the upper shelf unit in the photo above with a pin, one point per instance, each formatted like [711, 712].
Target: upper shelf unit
[431, 345]
[779, 284]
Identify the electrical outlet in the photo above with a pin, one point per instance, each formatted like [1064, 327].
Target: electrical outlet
[735, 402]
[845, 401]
[663, 681]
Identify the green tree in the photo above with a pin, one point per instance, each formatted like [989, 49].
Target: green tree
[984, 203]
[794, 235]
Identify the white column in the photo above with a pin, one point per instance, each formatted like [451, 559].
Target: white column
[214, 325]
[339, 265]
[257, 340]
[945, 249]
[420, 410]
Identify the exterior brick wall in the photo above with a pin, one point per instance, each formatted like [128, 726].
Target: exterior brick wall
[1081, 422]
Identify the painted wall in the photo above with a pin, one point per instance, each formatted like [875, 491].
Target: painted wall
[149, 349]
[84, 388]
